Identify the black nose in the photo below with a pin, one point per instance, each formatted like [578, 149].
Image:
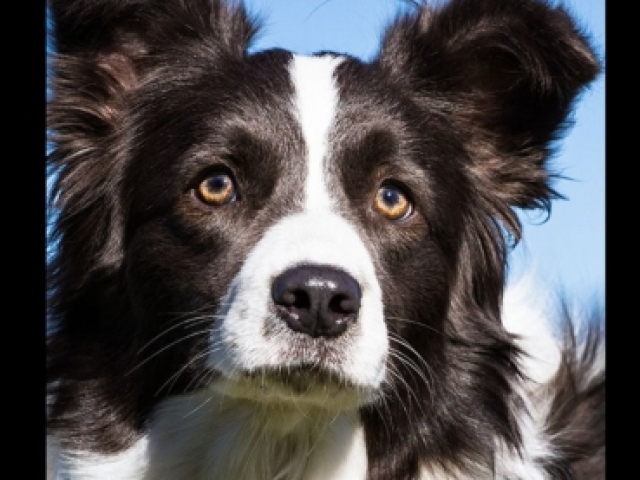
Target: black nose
[318, 300]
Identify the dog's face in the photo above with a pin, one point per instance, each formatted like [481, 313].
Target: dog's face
[292, 224]
[313, 230]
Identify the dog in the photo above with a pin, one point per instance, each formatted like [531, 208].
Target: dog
[276, 266]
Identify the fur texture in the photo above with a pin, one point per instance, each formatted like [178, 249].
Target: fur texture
[271, 266]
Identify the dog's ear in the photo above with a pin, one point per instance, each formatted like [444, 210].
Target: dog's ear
[505, 72]
[103, 51]
[113, 26]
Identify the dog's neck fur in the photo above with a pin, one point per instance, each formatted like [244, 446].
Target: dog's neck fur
[204, 437]
[253, 441]
[217, 438]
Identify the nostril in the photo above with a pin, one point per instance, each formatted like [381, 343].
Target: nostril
[298, 299]
[316, 300]
[344, 304]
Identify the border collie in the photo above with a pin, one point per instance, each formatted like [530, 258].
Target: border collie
[274, 266]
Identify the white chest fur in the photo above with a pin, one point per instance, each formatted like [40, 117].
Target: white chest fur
[216, 438]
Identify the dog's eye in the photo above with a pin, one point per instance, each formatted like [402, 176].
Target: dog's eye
[217, 189]
[392, 203]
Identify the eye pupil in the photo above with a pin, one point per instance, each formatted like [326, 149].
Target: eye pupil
[218, 183]
[390, 197]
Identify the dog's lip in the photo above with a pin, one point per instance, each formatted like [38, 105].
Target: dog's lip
[298, 378]
[303, 383]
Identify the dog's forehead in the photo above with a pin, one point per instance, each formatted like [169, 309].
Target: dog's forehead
[329, 89]
[322, 93]
[341, 101]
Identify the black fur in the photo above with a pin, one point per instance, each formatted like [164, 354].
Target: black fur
[466, 101]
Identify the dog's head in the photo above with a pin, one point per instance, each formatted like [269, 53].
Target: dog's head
[318, 230]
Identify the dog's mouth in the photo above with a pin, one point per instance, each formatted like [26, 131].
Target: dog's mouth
[303, 384]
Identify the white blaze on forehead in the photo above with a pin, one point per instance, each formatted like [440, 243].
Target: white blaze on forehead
[316, 101]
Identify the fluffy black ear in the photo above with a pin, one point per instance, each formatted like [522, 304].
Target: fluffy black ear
[506, 73]
[92, 26]
[104, 50]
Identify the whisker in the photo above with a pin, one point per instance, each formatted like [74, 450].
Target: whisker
[403, 342]
[394, 390]
[202, 404]
[203, 378]
[202, 374]
[413, 366]
[179, 314]
[166, 347]
[419, 324]
[173, 378]
[184, 323]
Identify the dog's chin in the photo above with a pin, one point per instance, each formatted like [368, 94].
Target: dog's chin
[297, 387]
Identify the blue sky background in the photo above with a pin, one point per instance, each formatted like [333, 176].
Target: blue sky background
[566, 250]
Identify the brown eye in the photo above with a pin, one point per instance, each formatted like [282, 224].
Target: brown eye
[392, 203]
[217, 189]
